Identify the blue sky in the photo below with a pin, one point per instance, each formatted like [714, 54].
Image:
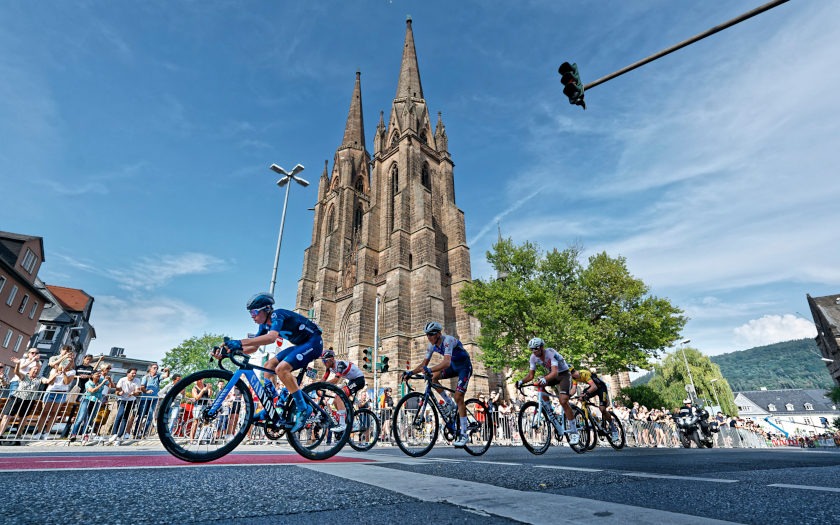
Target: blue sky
[135, 138]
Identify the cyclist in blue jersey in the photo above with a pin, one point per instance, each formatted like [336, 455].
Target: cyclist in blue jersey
[298, 330]
[456, 362]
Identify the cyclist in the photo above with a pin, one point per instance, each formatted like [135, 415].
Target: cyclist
[456, 362]
[591, 386]
[558, 377]
[298, 330]
[342, 370]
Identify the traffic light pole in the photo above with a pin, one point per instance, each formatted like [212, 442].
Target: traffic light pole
[701, 36]
[376, 350]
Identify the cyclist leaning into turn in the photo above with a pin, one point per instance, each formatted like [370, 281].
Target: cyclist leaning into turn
[591, 386]
[342, 370]
[298, 330]
[558, 376]
[456, 362]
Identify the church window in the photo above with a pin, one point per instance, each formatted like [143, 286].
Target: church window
[395, 186]
[410, 261]
[425, 179]
[360, 184]
[394, 137]
[423, 138]
[357, 218]
[331, 220]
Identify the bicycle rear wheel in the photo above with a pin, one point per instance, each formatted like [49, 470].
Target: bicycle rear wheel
[619, 443]
[479, 427]
[583, 431]
[415, 425]
[534, 429]
[365, 431]
[315, 440]
[200, 433]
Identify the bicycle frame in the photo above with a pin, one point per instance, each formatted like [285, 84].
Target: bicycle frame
[428, 394]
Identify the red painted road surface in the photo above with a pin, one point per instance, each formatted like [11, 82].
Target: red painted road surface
[149, 461]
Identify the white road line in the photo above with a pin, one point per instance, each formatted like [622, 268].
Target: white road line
[669, 476]
[804, 487]
[497, 463]
[528, 507]
[579, 469]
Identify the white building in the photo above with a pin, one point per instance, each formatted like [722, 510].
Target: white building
[791, 411]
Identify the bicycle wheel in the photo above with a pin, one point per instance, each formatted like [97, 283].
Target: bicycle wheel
[583, 432]
[479, 427]
[204, 433]
[619, 443]
[534, 429]
[315, 440]
[592, 426]
[365, 431]
[415, 425]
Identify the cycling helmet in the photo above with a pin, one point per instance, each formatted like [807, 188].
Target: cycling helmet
[260, 301]
[433, 327]
[328, 354]
[535, 343]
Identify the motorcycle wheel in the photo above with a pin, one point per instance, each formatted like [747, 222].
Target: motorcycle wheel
[686, 443]
[695, 436]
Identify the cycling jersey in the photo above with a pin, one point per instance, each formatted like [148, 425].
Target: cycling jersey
[451, 347]
[345, 370]
[549, 359]
[292, 326]
[585, 376]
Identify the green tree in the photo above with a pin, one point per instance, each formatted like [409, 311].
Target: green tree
[642, 394]
[834, 394]
[670, 378]
[192, 355]
[597, 314]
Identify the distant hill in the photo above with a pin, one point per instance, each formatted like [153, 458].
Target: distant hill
[791, 364]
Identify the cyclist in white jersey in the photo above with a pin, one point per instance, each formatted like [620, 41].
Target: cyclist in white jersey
[342, 370]
[558, 376]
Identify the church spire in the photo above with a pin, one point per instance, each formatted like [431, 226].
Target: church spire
[409, 83]
[354, 131]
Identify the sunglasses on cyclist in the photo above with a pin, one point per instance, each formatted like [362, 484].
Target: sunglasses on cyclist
[256, 312]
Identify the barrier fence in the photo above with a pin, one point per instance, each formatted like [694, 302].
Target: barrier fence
[30, 416]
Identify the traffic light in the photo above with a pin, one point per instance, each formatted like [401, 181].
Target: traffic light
[382, 365]
[367, 359]
[572, 85]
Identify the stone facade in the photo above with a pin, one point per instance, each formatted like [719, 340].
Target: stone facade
[388, 225]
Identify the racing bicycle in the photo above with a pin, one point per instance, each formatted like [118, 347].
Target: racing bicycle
[416, 421]
[537, 419]
[598, 428]
[213, 427]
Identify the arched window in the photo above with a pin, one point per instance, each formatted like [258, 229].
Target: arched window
[395, 187]
[357, 218]
[394, 138]
[331, 220]
[423, 137]
[410, 261]
[425, 178]
[360, 184]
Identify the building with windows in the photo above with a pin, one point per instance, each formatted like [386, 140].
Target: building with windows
[791, 411]
[65, 321]
[21, 301]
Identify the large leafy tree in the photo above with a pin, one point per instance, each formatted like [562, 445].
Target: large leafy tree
[596, 314]
[192, 355]
[670, 378]
[641, 394]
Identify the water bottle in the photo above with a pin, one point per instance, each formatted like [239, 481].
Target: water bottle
[444, 408]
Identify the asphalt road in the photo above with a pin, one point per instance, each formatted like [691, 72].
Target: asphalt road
[140, 485]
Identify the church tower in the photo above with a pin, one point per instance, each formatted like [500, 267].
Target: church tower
[389, 226]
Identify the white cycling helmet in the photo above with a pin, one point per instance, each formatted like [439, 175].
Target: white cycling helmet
[433, 327]
[535, 343]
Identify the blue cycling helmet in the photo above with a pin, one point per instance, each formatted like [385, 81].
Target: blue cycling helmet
[260, 301]
[535, 343]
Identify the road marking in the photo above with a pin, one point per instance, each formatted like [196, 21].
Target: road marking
[527, 507]
[579, 469]
[669, 476]
[497, 463]
[804, 487]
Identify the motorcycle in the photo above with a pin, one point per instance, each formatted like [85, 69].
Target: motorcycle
[689, 428]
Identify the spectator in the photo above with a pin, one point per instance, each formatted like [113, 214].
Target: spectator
[4, 384]
[201, 393]
[127, 389]
[84, 372]
[58, 384]
[89, 404]
[362, 401]
[386, 408]
[65, 357]
[505, 419]
[150, 386]
[27, 392]
[33, 358]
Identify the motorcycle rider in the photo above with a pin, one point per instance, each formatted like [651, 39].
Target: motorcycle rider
[688, 409]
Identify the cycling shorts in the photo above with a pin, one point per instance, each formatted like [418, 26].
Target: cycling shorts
[461, 369]
[602, 395]
[563, 382]
[301, 355]
[354, 385]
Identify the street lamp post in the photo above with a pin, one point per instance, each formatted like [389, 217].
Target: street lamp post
[714, 391]
[687, 369]
[284, 181]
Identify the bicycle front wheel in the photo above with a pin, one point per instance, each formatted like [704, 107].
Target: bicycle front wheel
[583, 431]
[592, 426]
[479, 427]
[534, 429]
[365, 431]
[192, 430]
[415, 425]
[316, 440]
[619, 443]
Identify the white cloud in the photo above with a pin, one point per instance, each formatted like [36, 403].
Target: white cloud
[771, 329]
[150, 273]
[147, 328]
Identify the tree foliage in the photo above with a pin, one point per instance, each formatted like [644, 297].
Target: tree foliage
[595, 314]
[192, 355]
[641, 394]
[670, 378]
